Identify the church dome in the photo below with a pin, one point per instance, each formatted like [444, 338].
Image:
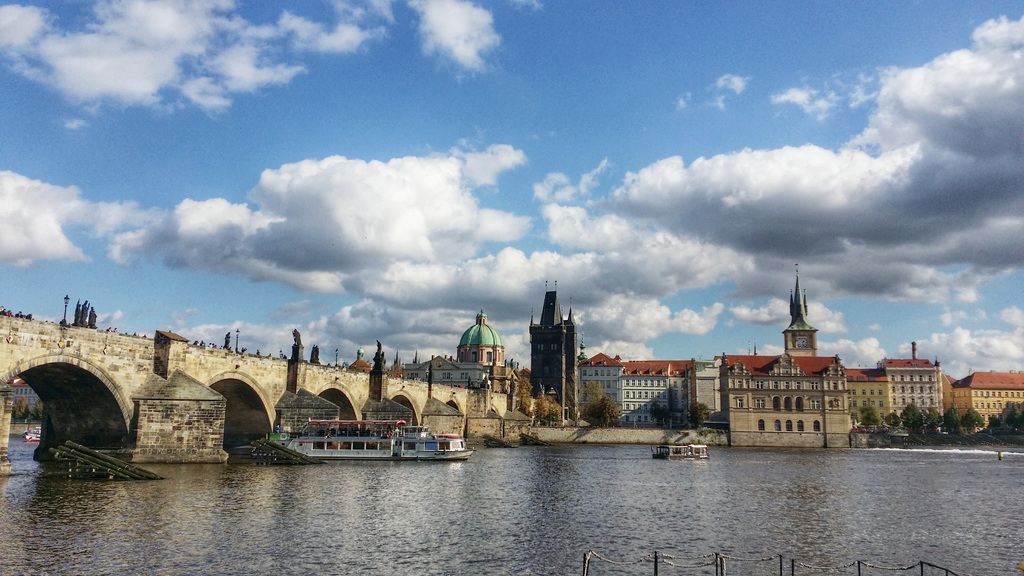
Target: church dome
[480, 334]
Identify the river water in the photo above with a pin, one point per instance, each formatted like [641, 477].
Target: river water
[526, 511]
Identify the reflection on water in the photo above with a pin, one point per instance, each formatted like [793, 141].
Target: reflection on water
[531, 510]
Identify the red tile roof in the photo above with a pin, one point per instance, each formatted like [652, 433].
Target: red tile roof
[865, 375]
[601, 359]
[762, 365]
[993, 380]
[907, 363]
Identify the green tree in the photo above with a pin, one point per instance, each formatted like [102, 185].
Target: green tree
[994, 421]
[660, 413]
[893, 419]
[699, 414]
[37, 410]
[971, 420]
[20, 408]
[869, 415]
[602, 412]
[912, 417]
[1014, 417]
[953, 421]
[932, 417]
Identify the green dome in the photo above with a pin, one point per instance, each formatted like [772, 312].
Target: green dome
[480, 334]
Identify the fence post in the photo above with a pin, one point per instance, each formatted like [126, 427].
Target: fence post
[586, 563]
[655, 563]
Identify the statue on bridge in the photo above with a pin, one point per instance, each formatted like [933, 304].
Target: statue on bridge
[378, 359]
[297, 346]
[227, 340]
[314, 354]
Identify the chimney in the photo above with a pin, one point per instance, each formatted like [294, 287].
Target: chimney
[913, 350]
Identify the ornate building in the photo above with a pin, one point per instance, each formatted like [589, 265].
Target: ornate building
[989, 393]
[479, 362]
[796, 399]
[553, 360]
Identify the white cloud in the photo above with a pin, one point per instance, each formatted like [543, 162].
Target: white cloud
[458, 30]
[812, 102]
[140, 53]
[776, 312]
[319, 222]
[483, 168]
[36, 216]
[20, 25]
[735, 84]
[557, 187]
[855, 354]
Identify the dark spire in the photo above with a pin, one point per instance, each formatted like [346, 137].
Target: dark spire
[798, 307]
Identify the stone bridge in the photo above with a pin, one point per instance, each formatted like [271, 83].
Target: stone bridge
[162, 399]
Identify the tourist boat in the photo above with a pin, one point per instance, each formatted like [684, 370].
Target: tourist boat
[680, 451]
[373, 440]
[32, 435]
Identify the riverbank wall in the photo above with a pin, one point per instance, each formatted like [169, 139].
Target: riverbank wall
[588, 435]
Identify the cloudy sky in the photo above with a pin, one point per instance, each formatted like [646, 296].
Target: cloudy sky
[384, 169]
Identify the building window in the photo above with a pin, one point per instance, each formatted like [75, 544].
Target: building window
[789, 425]
[817, 426]
[776, 403]
[800, 403]
[760, 425]
[778, 426]
[739, 402]
[759, 403]
[800, 426]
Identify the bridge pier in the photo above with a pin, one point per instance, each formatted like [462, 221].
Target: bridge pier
[6, 406]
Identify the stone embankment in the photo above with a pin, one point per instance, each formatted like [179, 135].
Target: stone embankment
[581, 435]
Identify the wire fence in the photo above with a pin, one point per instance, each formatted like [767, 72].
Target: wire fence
[725, 565]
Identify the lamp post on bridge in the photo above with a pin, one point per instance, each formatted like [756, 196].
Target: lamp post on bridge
[236, 340]
[335, 357]
[67, 299]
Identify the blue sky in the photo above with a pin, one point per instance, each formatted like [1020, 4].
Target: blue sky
[378, 169]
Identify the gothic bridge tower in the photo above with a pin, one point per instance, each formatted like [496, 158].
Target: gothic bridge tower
[553, 361]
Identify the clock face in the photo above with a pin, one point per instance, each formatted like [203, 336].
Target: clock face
[801, 342]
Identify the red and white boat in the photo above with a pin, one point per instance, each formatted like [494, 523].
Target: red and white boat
[32, 435]
[373, 440]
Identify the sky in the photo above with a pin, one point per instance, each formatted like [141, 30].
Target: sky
[385, 169]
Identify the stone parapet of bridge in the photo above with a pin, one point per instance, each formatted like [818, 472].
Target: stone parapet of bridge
[128, 393]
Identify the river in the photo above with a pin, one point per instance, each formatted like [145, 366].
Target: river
[525, 511]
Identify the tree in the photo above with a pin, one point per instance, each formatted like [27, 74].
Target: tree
[932, 417]
[660, 413]
[953, 421]
[972, 420]
[20, 409]
[893, 419]
[912, 417]
[37, 410]
[602, 412]
[1014, 417]
[699, 414]
[522, 396]
[869, 415]
[994, 421]
[546, 409]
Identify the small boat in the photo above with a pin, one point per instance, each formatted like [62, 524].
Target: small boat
[373, 440]
[32, 434]
[680, 451]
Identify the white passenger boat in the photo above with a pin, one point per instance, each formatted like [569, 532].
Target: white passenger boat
[373, 440]
[32, 435]
[680, 451]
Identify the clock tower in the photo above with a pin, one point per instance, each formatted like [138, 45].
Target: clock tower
[801, 338]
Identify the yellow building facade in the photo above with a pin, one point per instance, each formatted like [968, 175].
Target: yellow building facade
[989, 393]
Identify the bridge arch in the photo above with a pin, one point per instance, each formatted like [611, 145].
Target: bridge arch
[248, 414]
[407, 402]
[81, 402]
[338, 397]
